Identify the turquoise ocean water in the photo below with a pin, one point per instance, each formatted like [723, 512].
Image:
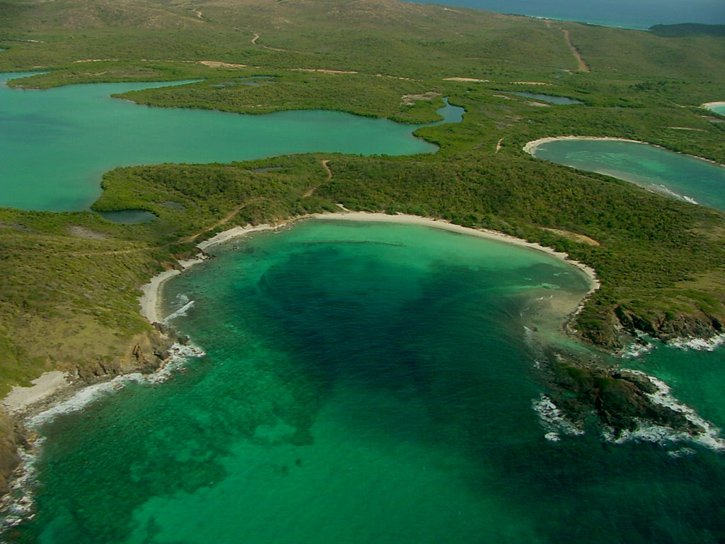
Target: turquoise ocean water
[369, 383]
[636, 14]
[83, 132]
[681, 176]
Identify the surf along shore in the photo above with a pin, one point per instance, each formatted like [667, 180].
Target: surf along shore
[53, 387]
[629, 408]
[533, 145]
[53, 393]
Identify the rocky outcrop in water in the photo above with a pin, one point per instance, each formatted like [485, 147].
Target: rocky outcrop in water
[665, 327]
[617, 328]
[146, 353]
[613, 399]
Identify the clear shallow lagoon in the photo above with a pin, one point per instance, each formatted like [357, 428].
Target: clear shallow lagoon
[680, 176]
[56, 144]
[720, 108]
[364, 383]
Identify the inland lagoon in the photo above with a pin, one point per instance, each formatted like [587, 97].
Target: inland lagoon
[81, 132]
[681, 176]
[368, 383]
[717, 107]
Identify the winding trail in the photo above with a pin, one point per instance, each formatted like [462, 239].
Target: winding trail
[224, 220]
[325, 164]
[577, 55]
[90, 253]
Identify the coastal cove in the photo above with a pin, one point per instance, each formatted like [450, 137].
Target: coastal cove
[691, 179]
[717, 107]
[428, 383]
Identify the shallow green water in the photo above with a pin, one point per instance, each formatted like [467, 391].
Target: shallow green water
[683, 177]
[363, 383]
[56, 144]
[718, 109]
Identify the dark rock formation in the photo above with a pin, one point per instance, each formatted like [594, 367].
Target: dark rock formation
[146, 353]
[610, 397]
[11, 437]
[666, 327]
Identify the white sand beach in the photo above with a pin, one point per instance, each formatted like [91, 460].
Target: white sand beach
[711, 105]
[151, 298]
[531, 147]
[445, 225]
[47, 385]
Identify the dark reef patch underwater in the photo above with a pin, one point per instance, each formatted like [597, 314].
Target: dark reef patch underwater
[365, 383]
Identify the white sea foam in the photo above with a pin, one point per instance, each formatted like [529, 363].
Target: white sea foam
[636, 349]
[181, 312]
[699, 344]
[708, 436]
[664, 189]
[18, 505]
[553, 419]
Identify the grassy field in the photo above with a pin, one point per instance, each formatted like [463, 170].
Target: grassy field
[69, 282]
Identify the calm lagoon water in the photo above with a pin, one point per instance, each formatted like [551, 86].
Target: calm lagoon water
[680, 176]
[365, 383]
[635, 14]
[56, 144]
[718, 109]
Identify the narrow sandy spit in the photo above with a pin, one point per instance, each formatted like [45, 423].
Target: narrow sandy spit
[711, 105]
[531, 147]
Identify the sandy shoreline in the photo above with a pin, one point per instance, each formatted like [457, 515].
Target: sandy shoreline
[150, 301]
[445, 225]
[54, 383]
[711, 105]
[531, 147]
[48, 384]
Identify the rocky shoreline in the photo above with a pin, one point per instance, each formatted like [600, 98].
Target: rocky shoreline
[147, 353]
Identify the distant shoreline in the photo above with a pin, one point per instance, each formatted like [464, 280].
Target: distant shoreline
[712, 105]
[532, 146]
